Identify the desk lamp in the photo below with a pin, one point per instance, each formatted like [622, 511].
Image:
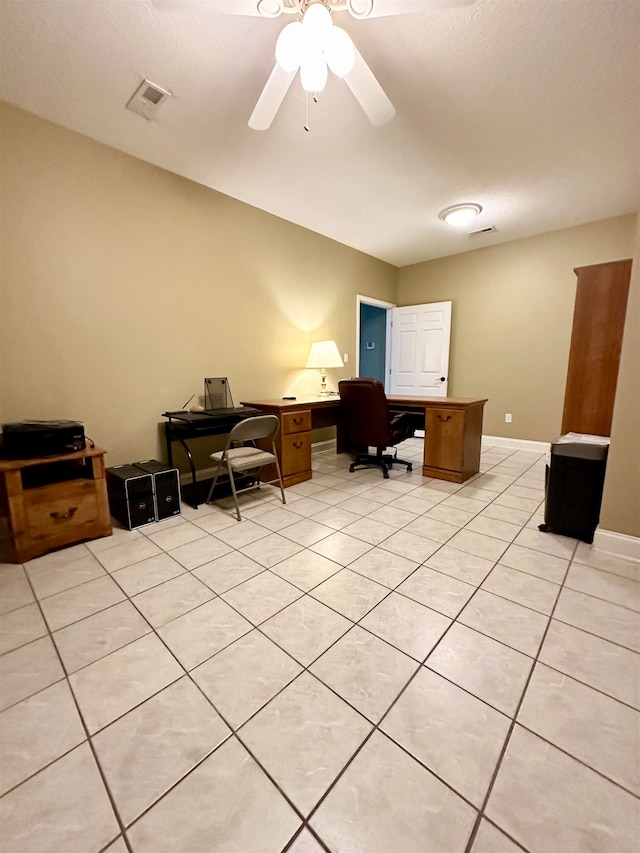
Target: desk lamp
[324, 354]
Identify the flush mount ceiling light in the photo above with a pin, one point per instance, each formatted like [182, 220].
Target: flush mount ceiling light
[460, 215]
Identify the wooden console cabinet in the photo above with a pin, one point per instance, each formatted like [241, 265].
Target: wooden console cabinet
[54, 501]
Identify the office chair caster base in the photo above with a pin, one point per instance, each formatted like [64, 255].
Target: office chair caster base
[382, 462]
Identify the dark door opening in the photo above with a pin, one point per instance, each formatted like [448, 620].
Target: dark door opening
[373, 341]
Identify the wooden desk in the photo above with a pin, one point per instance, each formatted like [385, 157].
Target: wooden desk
[453, 432]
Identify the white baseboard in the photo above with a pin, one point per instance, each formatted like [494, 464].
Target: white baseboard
[618, 544]
[515, 443]
[330, 444]
[201, 474]
[487, 441]
[321, 446]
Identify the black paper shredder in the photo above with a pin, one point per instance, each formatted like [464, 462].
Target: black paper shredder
[574, 483]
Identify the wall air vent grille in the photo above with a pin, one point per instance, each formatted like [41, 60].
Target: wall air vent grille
[147, 99]
[488, 230]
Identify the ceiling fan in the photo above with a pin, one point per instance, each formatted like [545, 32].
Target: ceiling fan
[312, 44]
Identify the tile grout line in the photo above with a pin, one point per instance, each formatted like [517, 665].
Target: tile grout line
[505, 746]
[233, 732]
[257, 627]
[85, 727]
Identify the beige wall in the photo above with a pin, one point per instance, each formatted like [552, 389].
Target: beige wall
[122, 286]
[512, 319]
[621, 499]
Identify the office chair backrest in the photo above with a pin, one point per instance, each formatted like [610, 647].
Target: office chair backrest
[366, 412]
[263, 426]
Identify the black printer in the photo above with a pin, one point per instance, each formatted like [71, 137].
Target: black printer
[30, 439]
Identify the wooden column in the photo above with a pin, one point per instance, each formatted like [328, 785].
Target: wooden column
[596, 341]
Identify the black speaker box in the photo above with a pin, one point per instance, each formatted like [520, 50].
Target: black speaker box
[166, 487]
[131, 499]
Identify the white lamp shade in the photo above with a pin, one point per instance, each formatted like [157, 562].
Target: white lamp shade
[324, 354]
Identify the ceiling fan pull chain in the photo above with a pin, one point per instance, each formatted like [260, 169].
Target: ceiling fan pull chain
[306, 107]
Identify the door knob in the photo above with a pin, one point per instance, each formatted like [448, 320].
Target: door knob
[443, 379]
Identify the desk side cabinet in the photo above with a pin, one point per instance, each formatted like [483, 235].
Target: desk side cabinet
[295, 446]
[453, 438]
[54, 501]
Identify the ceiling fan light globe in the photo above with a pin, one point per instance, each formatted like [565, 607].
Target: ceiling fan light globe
[313, 73]
[339, 52]
[290, 47]
[318, 19]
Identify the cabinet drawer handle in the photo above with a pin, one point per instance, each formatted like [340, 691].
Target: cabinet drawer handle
[60, 516]
[297, 421]
[298, 444]
[444, 418]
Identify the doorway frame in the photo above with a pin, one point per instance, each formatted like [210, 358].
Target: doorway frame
[379, 303]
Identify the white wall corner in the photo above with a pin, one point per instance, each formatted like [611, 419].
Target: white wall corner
[515, 443]
[618, 544]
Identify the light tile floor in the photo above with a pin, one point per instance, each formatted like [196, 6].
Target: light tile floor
[381, 666]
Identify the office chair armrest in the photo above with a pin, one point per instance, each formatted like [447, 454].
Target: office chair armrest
[399, 419]
[401, 426]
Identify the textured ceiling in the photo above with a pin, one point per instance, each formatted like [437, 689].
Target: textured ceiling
[529, 107]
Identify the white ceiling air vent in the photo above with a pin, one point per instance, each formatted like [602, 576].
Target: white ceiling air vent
[147, 99]
[480, 231]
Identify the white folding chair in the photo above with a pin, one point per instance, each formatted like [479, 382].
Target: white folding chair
[242, 456]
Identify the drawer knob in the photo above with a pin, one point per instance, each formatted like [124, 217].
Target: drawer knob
[60, 516]
[297, 421]
[444, 418]
[298, 444]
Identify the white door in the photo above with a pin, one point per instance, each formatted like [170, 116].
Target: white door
[420, 336]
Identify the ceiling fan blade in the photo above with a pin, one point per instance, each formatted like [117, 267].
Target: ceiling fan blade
[272, 96]
[216, 7]
[369, 93]
[383, 8]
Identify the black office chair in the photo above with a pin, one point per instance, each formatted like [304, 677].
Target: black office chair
[367, 422]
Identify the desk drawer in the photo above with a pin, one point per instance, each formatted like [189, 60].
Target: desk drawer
[62, 513]
[296, 454]
[444, 439]
[296, 421]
